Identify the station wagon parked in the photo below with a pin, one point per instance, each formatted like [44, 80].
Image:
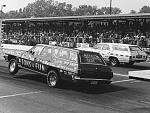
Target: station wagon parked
[59, 64]
[116, 53]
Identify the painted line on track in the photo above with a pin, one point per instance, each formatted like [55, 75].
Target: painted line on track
[102, 106]
[136, 81]
[146, 102]
[20, 94]
[128, 80]
[121, 75]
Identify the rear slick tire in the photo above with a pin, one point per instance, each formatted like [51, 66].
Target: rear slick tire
[53, 79]
[13, 67]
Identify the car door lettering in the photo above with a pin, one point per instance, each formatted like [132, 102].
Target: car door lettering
[39, 67]
[32, 65]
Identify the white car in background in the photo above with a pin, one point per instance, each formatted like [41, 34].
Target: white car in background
[116, 53]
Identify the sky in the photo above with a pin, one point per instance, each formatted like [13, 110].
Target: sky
[124, 5]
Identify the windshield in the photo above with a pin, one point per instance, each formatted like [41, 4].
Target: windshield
[98, 46]
[134, 48]
[89, 57]
[119, 48]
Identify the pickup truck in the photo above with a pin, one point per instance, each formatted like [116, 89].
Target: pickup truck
[60, 63]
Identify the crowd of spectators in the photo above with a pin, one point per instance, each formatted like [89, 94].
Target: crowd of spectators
[29, 38]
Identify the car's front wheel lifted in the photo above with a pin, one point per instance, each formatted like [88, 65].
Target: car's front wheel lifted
[53, 79]
[13, 67]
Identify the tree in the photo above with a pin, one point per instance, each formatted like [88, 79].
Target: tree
[87, 10]
[48, 8]
[145, 9]
[12, 14]
[106, 10]
[116, 10]
[99, 12]
[2, 14]
[132, 12]
[81, 10]
[69, 10]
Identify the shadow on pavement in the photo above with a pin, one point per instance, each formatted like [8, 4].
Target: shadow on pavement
[33, 77]
[89, 89]
[84, 88]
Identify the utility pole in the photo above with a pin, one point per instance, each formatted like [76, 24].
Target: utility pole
[110, 6]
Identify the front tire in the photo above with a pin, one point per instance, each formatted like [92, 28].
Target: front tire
[53, 79]
[114, 61]
[13, 67]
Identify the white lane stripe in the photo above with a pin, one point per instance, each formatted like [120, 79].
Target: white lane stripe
[95, 104]
[136, 81]
[20, 94]
[146, 102]
[122, 81]
[121, 75]
[88, 102]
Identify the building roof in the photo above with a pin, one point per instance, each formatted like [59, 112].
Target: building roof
[87, 17]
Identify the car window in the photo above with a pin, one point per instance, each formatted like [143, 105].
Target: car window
[119, 48]
[61, 53]
[36, 50]
[73, 56]
[105, 47]
[46, 51]
[134, 48]
[98, 46]
[65, 54]
[87, 57]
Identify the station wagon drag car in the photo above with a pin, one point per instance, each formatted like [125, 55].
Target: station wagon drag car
[59, 63]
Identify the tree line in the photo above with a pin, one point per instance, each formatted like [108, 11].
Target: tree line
[51, 8]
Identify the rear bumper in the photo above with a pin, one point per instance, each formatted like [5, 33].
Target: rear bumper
[142, 59]
[136, 60]
[89, 80]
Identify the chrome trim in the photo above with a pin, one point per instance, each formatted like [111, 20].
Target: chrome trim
[78, 78]
[94, 64]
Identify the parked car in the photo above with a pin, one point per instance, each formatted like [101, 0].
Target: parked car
[59, 64]
[116, 53]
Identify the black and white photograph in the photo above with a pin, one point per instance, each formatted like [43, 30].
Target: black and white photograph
[74, 56]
